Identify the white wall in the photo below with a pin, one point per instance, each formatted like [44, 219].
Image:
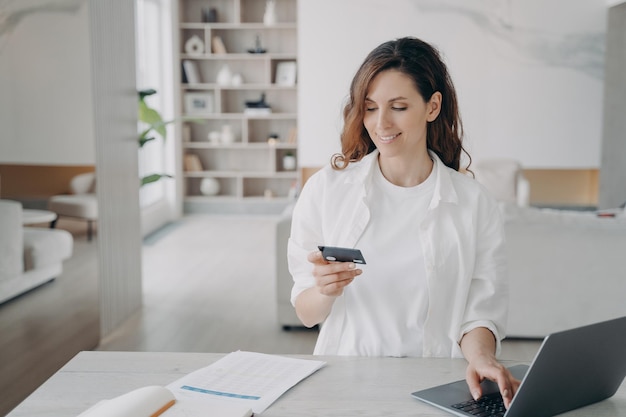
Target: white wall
[46, 116]
[529, 73]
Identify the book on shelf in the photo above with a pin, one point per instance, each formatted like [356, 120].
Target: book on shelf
[191, 163]
[292, 138]
[190, 72]
[218, 45]
[252, 111]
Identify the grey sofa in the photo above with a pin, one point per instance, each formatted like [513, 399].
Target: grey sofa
[566, 269]
[29, 256]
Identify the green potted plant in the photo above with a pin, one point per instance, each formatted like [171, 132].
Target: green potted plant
[154, 125]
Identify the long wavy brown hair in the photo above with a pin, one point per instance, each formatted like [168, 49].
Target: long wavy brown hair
[423, 64]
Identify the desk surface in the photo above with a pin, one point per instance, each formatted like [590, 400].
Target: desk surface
[346, 386]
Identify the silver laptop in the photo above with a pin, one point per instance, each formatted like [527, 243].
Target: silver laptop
[572, 369]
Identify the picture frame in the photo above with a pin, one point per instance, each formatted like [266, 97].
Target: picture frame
[286, 73]
[199, 103]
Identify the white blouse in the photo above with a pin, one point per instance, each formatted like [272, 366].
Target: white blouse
[461, 238]
[386, 306]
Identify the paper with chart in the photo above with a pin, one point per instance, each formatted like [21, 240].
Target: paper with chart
[252, 379]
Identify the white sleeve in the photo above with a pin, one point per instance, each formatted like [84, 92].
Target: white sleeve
[488, 298]
[306, 234]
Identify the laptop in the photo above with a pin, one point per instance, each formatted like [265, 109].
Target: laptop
[572, 368]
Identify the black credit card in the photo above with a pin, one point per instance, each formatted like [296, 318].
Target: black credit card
[336, 254]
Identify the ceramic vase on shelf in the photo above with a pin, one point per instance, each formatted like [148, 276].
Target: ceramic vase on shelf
[194, 46]
[269, 17]
[289, 162]
[209, 186]
[236, 80]
[224, 76]
[227, 134]
[214, 137]
[209, 14]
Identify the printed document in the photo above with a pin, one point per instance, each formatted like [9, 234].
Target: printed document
[255, 380]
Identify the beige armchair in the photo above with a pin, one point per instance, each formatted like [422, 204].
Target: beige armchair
[80, 204]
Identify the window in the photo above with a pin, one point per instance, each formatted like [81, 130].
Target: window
[154, 70]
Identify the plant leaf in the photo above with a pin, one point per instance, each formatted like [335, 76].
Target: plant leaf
[150, 116]
[143, 140]
[146, 92]
[153, 178]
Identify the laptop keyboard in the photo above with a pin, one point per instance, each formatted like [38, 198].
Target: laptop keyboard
[490, 405]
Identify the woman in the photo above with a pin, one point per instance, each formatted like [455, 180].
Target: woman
[434, 283]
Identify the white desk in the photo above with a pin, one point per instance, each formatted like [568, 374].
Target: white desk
[30, 216]
[344, 387]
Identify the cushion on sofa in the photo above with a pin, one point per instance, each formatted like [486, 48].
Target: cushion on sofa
[499, 176]
[43, 247]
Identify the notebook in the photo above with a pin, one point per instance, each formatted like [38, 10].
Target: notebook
[572, 368]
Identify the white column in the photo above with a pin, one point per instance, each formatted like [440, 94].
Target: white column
[112, 24]
[612, 192]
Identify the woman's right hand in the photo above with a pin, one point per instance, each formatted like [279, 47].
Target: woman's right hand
[332, 277]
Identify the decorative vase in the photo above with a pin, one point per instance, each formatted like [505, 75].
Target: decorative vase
[209, 14]
[194, 46]
[289, 162]
[209, 186]
[224, 76]
[214, 137]
[227, 134]
[269, 17]
[236, 80]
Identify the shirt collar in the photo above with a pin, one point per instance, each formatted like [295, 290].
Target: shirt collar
[444, 187]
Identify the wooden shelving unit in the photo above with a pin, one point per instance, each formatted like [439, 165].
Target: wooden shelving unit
[248, 161]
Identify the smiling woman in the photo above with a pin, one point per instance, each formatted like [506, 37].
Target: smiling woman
[388, 81]
[435, 282]
[396, 116]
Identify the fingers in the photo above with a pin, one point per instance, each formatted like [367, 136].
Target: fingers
[507, 384]
[473, 383]
[316, 257]
[332, 277]
[506, 390]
